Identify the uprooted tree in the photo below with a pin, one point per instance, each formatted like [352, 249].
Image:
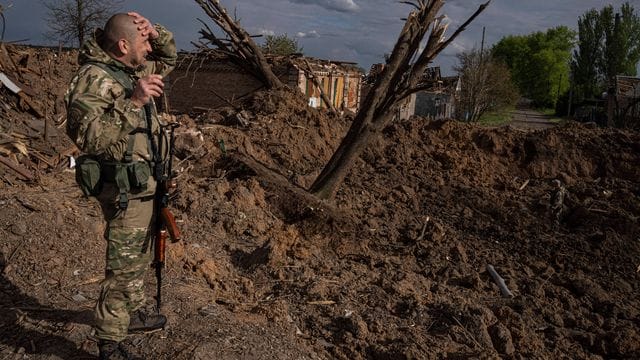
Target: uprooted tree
[238, 45]
[401, 77]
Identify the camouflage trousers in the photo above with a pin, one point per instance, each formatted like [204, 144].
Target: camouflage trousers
[129, 254]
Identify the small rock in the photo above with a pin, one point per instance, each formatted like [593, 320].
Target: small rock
[79, 298]
[207, 310]
[502, 340]
[19, 228]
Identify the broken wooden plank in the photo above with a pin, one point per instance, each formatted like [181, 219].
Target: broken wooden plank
[27, 100]
[17, 168]
[42, 158]
[7, 142]
[5, 53]
[17, 88]
[70, 151]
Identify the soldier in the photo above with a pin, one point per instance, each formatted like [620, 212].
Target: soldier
[112, 118]
[557, 199]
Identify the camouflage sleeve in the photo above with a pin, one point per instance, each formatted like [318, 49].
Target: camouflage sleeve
[164, 53]
[99, 118]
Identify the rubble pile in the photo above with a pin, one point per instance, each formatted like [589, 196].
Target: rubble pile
[32, 115]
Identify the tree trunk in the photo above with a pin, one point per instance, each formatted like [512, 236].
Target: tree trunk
[611, 102]
[363, 129]
[401, 77]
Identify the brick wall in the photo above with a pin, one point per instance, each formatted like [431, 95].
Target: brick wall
[201, 86]
[188, 88]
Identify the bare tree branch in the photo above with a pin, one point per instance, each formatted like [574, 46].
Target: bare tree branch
[247, 53]
[72, 21]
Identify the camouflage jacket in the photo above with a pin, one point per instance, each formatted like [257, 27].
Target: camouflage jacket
[100, 116]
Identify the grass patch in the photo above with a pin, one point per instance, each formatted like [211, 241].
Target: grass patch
[551, 113]
[496, 118]
[546, 111]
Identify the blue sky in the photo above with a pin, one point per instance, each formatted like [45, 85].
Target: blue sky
[361, 31]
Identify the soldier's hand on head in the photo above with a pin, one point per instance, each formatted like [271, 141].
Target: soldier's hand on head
[144, 26]
[146, 88]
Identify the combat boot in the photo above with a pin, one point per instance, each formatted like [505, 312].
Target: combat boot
[142, 321]
[111, 350]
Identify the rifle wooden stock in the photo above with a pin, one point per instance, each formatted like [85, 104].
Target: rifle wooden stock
[169, 222]
[161, 241]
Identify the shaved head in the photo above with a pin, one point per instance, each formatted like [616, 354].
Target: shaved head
[120, 26]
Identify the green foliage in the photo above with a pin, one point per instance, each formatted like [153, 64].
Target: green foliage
[539, 63]
[584, 66]
[280, 45]
[621, 48]
[608, 45]
[497, 118]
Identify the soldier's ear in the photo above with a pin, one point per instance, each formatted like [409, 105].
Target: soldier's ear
[123, 46]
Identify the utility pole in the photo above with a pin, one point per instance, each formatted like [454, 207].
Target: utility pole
[570, 94]
[482, 44]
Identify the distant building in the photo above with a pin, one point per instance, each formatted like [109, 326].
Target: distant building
[436, 102]
[627, 101]
[440, 102]
[209, 80]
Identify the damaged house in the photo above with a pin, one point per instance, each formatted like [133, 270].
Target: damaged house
[209, 80]
[437, 101]
[626, 102]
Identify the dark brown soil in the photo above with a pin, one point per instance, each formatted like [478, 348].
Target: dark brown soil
[394, 268]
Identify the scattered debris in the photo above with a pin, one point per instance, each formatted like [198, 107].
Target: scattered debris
[31, 112]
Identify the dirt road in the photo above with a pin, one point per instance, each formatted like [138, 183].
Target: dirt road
[525, 118]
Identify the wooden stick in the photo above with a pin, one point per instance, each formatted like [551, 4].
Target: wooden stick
[322, 302]
[524, 185]
[499, 281]
[424, 229]
[18, 169]
[467, 333]
[32, 106]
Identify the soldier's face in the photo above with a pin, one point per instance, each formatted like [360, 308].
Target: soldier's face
[140, 48]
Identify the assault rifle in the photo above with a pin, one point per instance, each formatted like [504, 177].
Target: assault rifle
[165, 223]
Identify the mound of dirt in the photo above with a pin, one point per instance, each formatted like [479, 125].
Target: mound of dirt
[393, 268]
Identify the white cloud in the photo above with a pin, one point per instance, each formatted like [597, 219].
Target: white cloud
[266, 32]
[338, 5]
[310, 34]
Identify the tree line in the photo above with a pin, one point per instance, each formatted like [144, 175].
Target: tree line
[558, 68]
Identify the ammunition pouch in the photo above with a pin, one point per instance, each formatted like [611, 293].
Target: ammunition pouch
[132, 176]
[129, 177]
[88, 175]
